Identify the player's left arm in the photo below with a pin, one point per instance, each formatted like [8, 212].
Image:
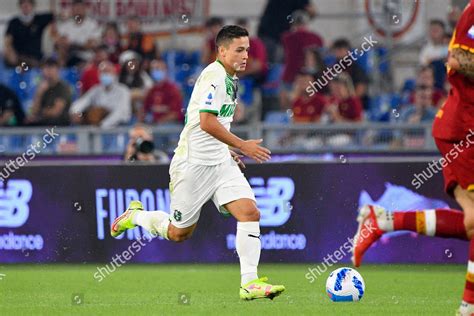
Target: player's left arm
[462, 61]
[250, 148]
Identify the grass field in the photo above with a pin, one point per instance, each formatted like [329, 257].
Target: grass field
[213, 290]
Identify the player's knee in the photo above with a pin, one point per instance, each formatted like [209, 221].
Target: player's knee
[179, 236]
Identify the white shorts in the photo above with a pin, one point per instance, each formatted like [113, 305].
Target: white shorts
[192, 185]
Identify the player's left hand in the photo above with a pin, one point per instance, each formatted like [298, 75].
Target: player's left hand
[237, 159]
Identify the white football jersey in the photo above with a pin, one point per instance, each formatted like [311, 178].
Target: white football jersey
[215, 92]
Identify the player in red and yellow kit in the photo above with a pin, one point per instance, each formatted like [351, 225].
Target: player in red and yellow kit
[453, 131]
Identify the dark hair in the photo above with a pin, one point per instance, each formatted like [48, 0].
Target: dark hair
[133, 18]
[101, 47]
[438, 22]
[134, 80]
[424, 68]
[423, 87]
[341, 43]
[228, 33]
[113, 25]
[32, 2]
[78, 2]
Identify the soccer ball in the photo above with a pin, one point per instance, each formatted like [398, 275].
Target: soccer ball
[345, 285]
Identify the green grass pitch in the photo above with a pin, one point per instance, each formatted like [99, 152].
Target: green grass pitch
[213, 290]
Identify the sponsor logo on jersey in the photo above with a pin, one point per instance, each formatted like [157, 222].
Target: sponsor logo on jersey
[227, 110]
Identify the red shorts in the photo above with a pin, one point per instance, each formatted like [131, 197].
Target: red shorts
[459, 166]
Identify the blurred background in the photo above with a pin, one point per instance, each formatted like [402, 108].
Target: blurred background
[384, 100]
[93, 96]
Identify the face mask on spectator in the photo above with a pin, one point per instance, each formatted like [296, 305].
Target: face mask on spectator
[158, 75]
[107, 79]
[26, 18]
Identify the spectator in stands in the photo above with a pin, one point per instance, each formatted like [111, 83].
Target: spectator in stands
[134, 77]
[340, 49]
[11, 111]
[79, 35]
[422, 110]
[295, 42]
[306, 108]
[276, 19]
[435, 51]
[163, 102]
[257, 66]
[139, 42]
[343, 104]
[90, 75]
[436, 48]
[141, 147]
[314, 63]
[209, 50]
[23, 38]
[106, 105]
[426, 78]
[52, 99]
[111, 40]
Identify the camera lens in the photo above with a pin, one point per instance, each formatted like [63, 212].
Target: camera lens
[144, 146]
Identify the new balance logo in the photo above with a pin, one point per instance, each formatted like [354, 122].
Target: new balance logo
[14, 198]
[273, 196]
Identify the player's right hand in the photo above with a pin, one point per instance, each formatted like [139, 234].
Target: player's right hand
[252, 149]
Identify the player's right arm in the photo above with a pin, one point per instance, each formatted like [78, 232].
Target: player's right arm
[461, 47]
[249, 148]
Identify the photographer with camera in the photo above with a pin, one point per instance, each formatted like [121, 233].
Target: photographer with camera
[140, 146]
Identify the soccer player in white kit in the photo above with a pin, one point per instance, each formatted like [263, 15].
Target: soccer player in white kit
[204, 167]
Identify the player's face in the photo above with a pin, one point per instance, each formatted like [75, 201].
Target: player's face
[235, 55]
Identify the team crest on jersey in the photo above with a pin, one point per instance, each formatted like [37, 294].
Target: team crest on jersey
[470, 33]
[177, 215]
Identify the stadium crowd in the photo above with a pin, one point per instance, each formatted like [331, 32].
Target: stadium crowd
[98, 75]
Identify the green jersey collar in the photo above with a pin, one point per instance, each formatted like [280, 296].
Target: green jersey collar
[230, 76]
